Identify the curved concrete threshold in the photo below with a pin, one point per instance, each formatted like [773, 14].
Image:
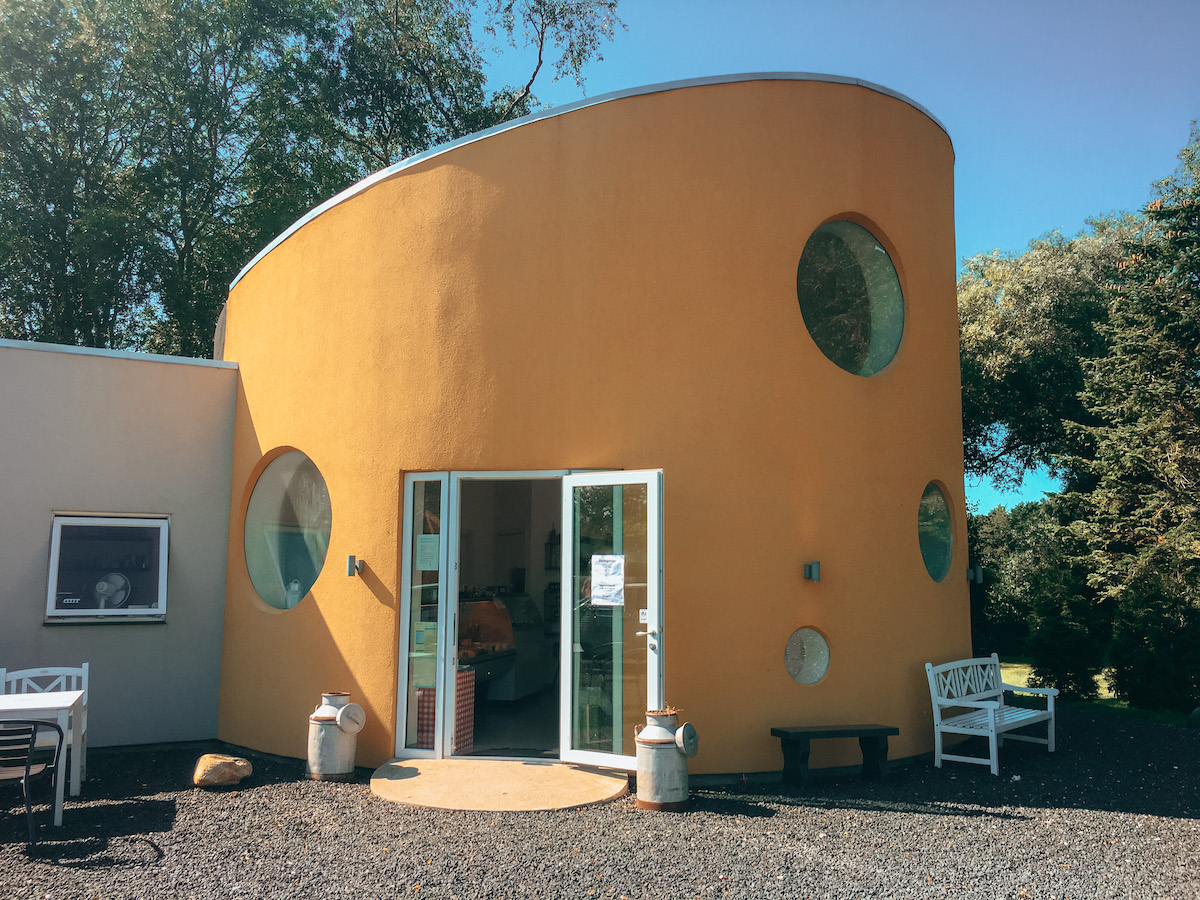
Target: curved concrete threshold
[496, 785]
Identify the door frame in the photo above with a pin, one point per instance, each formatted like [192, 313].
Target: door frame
[448, 580]
[448, 652]
[447, 643]
[404, 611]
[653, 480]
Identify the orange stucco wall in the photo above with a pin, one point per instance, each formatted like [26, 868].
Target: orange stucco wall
[615, 287]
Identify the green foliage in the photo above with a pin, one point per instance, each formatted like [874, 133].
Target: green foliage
[1141, 455]
[1026, 323]
[999, 618]
[71, 255]
[1036, 599]
[148, 148]
[1085, 355]
[1155, 654]
[1069, 626]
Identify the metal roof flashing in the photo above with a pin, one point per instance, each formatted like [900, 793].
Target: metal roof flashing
[136, 355]
[385, 174]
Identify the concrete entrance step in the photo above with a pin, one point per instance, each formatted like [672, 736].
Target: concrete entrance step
[496, 784]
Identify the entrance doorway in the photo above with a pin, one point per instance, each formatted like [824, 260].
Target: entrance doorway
[508, 618]
[530, 615]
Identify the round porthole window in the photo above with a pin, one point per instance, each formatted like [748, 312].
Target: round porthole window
[287, 529]
[806, 655]
[934, 532]
[850, 297]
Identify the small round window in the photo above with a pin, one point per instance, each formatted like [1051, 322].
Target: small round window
[934, 532]
[850, 297]
[806, 655]
[287, 529]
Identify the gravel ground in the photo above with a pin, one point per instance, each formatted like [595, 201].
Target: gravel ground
[1114, 813]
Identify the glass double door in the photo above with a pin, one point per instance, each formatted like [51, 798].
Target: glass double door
[528, 598]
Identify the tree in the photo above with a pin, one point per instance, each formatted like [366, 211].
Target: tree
[1141, 453]
[199, 70]
[71, 255]
[148, 148]
[1026, 322]
[1035, 599]
[1107, 572]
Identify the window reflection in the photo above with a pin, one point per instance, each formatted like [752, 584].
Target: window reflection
[288, 522]
[850, 297]
[934, 532]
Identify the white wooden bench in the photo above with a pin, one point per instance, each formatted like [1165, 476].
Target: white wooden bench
[975, 685]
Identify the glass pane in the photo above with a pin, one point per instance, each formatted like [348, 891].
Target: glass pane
[108, 566]
[609, 568]
[426, 531]
[288, 522]
[850, 297]
[934, 532]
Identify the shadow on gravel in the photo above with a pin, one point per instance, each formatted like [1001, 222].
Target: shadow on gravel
[98, 853]
[90, 822]
[724, 805]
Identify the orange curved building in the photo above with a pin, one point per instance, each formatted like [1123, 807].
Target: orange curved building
[633, 365]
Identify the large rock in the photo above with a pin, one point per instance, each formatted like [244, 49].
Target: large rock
[217, 769]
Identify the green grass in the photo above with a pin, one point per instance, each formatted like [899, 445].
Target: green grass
[1017, 671]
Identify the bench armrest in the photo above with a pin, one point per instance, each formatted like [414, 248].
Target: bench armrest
[973, 704]
[1047, 692]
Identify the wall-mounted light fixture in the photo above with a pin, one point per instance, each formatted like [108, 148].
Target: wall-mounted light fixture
[975, 574]
[812, 570]
[354, 566]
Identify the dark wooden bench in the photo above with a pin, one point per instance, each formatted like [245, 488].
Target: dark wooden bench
[797, 740]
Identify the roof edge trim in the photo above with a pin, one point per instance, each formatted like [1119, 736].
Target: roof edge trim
[137, 355]
[384, 174]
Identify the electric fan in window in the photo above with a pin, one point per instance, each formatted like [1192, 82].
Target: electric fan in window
[112, 591]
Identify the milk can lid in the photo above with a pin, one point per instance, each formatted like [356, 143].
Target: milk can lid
[351, 718]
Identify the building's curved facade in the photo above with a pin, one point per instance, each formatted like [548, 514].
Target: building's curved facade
[613, 286]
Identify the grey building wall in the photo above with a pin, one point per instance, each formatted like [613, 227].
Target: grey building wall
[104, 432]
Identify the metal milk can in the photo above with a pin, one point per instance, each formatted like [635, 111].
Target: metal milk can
[332, 736]
[662, 755]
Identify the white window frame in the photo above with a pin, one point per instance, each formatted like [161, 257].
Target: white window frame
[155, 613]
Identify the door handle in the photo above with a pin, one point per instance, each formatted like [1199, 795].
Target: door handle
[653, 632]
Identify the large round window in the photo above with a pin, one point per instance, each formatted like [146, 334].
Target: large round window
[287, 529]
[806, 655]
[850, 297]
[934, 532]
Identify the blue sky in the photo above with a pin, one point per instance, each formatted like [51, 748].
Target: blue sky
[1058, 110]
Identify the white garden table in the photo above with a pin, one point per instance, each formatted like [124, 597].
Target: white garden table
[62, 706]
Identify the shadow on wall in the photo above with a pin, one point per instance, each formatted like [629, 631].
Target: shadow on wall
[281, 650]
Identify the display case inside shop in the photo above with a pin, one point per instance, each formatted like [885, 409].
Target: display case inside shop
[107, 568]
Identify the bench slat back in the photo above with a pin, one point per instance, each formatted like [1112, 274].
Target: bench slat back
[966, 679]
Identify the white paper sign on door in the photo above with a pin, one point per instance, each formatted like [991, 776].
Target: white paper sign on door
[608, 580]
[428, 547]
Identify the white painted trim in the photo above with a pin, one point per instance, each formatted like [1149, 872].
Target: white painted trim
[405, 613]
[653, 481]
[157, 612]
[583, 103]
[117, 354]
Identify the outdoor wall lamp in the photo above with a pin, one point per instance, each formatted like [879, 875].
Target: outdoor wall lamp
[812, 570]
[354, 566]
[975, 574]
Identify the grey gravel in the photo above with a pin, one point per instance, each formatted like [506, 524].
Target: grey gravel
[1114, 813]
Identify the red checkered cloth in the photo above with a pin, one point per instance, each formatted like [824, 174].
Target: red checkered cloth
[426, 717]
[464, 714]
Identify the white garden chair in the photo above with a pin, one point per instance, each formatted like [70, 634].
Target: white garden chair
[53, 678]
